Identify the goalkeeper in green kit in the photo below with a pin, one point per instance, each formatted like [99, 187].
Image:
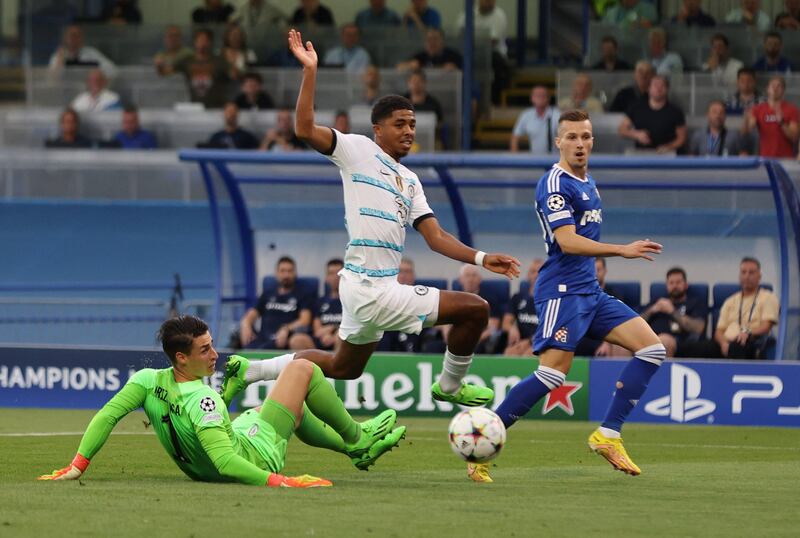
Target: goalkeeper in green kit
[192, 422]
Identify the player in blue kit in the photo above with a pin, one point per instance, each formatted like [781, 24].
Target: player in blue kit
[570, 302]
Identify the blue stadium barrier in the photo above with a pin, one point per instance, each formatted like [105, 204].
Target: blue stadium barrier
[243, 288]
[500, 290]
[438, 283]
[308, 285]
[698, 290]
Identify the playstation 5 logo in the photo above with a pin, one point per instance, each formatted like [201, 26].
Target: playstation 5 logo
[682, 404]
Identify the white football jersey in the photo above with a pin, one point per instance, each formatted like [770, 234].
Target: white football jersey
[381, 198]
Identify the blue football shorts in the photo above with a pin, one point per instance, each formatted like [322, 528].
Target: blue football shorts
[565, 320]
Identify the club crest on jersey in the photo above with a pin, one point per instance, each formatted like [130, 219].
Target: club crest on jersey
[555, 202]
[421, 290]
[561, 335]
[207, 404]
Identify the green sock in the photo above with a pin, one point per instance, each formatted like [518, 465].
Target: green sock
[312, 431]
[323, 402]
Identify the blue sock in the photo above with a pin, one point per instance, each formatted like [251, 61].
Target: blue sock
[527, 392]
[632, 383]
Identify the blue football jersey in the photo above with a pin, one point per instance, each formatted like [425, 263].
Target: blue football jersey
[563, 199]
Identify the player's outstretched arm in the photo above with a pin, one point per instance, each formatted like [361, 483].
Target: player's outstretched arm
[131, 397]
[445, 244]
[572, 243]
[318, 137]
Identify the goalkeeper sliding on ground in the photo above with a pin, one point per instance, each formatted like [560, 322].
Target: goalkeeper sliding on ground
[192, 422]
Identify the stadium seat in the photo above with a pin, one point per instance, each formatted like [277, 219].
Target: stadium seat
[629, 293]
[495, 288]
[307, 284]
[439, 283]
[658, 290]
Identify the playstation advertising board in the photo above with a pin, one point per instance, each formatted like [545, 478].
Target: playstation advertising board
[704, 392]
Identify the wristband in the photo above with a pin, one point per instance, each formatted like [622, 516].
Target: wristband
[479, 256]
[80, 463]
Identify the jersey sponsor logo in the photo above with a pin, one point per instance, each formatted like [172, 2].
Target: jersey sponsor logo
[330, 319]
[288, 306]
[207, 404]
[561, 335]
[682, 403]
[421, 290]
[531, 319]
[210, 417]
[555, 202]
[593, 215]
[558, 215]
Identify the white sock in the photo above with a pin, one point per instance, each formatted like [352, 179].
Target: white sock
[611, 434]
[454, 369]
[267, 369]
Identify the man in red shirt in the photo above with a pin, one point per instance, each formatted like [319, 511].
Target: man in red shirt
[776, 120]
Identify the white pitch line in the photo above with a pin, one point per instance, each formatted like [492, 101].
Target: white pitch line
[413, 437]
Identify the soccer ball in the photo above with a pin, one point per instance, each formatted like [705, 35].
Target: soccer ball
[477, 435]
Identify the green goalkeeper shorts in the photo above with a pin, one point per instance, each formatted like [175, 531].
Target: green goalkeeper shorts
[265, 435]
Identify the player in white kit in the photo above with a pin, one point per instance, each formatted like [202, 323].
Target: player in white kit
[381, 198]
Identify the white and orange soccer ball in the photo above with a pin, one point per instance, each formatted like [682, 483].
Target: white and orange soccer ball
[477, 435]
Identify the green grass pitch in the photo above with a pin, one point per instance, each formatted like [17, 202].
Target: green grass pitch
[696, 481]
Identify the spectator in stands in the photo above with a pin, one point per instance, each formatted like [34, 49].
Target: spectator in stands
[258, 16]
[69, 135]
[789, 19]
[435, 54]
[122, 12]
[491, 20]
[326, 314]
[581, 96]
[679, 319]
[716, 140]
[174, 51]
[411, 343]
[722, 67]
[421, 16]
[691, 14]
[631, 14]
[663, 61]
[312, 13]
[206, 73]
[747, 317]
[282, 137]
[132, 136]
[772, 60]
[372, 85]
[283, 311]
[418, 95]
[348, 54]
[252, 95]
[749, 14]
[520, 320]
[539, 124]
[232, 136]
[469, 276]
[628, 95]
[97, 96]
[776, 121]
[235, 51]
[377, 15]
[213, 12]
[73, 53]
[746, 94]
[610, 60]
[655, 123]
[341, 122]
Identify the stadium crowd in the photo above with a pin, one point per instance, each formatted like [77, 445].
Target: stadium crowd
[291, 315]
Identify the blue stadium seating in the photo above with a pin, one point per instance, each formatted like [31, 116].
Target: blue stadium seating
[658, 290]
[500, 289]
[306, 284]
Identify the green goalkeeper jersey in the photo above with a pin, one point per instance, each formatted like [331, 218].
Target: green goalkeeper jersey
[191, 422]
